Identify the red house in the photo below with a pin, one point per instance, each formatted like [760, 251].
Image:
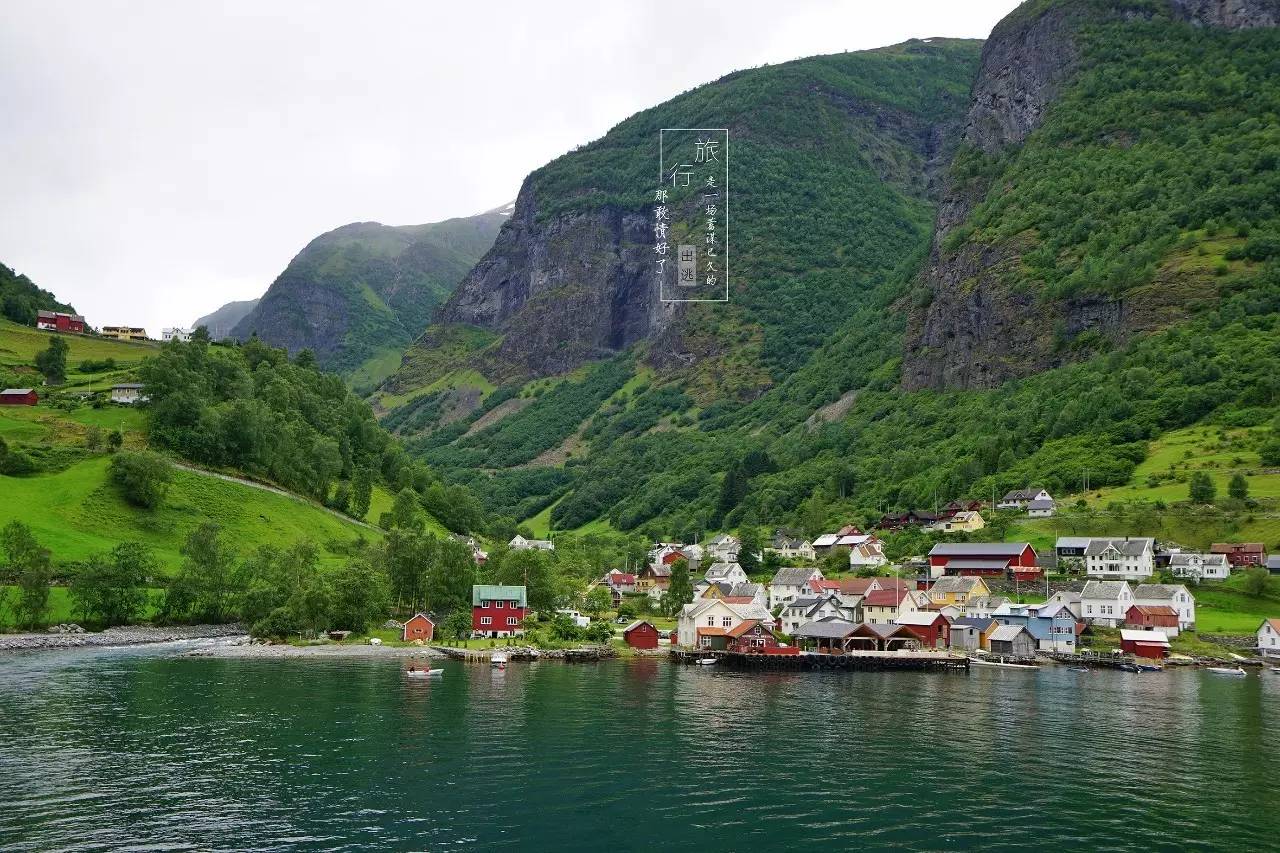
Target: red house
[1151, 616]
[18, 397]
[751, 637]
[641, 635]
[1144, 644]
[419, 627]
[1241, 553]
[56, 321]
[498, 611]
[931, 628]
[1014, 559]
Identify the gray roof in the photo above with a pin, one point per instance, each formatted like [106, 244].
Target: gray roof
[1134, 547]
[1190, 559]
[16, 390]
[986, 602]
[721, 570]
[977, 549]
[745, 588]
[828, 628]
[1160, 591]
[806, 601]
[1273, 561]
[1042, 504]
[1072, 542]
[1007, 632]
[954, 584]
[137, 385]
[1103, 589]
[973, 622]
[792, 577]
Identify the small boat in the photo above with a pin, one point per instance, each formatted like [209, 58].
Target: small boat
[1002, 662]
[705, 661]
[1149, 667]
[1129, 667]
[1275, 669]
[498, 660]
[1227, 670]
[424, 673]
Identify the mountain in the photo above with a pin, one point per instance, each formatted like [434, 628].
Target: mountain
[359, 294]
[20, 299]
[222, 321]
[959, 269]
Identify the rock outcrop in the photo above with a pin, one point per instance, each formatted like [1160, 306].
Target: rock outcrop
[974, 331]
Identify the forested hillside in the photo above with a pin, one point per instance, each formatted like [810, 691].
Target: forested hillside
[20, 299]
[1103, 271]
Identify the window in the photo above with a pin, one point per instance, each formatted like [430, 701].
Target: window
[511, 620]
[498, 604]
[486, 620]
[711, 621]
[726, 621]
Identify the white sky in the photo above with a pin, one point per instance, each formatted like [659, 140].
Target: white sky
[161, 157]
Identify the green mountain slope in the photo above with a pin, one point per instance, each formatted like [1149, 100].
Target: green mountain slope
[364, 290]
[20, 299]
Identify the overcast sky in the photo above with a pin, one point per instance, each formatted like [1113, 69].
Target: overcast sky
[160, 158]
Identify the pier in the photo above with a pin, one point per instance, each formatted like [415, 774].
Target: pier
[849, 661]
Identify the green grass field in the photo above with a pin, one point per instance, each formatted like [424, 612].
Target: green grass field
[78, 512]
[19, 345]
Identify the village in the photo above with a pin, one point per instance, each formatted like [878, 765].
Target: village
[1092, 601]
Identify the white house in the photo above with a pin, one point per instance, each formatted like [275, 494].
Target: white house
[1041, 507]
[982, 606]
[789, 584]
[884, 606]
[1120, 559]
[175, 334]
[792, 549]
[128, 393]
[1200, 567]
[1172, 595]
[730, 573]
[755, 592]
[1105, 602]
[724, 548]
[702, 621]
[578, 619]
[811, 608]
[1019, 498]
[519, 543]
[1069, 600]
[870, 552]
[1269, 638]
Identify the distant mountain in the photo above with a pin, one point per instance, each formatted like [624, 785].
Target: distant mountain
[361, 293]
[221, 322]
[20, 299]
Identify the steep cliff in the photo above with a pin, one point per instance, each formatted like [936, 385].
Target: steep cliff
[224, 319]
[365, 289]
[1075, 101]
[833, 162]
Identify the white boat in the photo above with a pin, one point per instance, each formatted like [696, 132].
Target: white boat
[423, 673]
[1003, 663]
[498, 660]
[705, 661]
[1227, 670]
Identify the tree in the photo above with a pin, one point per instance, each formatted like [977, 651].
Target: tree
[143, 476]
[306, 359]
[457, 625]
[204, 583]
[406, 512]
[361, 596]
[450, 577]
[1202, 490]
[1256, 581]
[532, 569]
[361, 493]
[749, 553]
[28, 566]
[111, 588]
[599, 632]
[115, 440]
[1238, 488]
[1270, 452]
[680, 592]
[200, 335]
[93, 438]
[597, 601]
[52, 362]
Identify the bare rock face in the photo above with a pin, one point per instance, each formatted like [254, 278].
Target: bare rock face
[562, 291]
[976, 332]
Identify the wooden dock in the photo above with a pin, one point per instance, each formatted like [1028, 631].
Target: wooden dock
[850, 661]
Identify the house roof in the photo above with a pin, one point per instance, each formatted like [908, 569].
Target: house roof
[831, 586]
[919, 618]
[826, 540]
[1154, 609]
[1157, 637]
[1042, 504]
[974, 622]
[1022, 494]
[853, 539]
[1237, 548]
[723, 539]
[1185, 559]
[985, 602]
[621, 578]
[955, 584]
[856, 586]
[1158, 591]
[721, 570]
[1132, 547]
[745, 588]
[743, 627]
[1072, 542]
[16, 390]
[497, 592]
[738, 599]
[419, 616]
[136, 386]
[1007, 632]
[792, 577]
[978, 549]
[637, 624]
[884, 598]
[1273, 562]
[806, 601]
[1274, 623]
[713, 632]
[828, 628]
[1103, 589]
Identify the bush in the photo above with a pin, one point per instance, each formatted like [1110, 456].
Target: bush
[143, 476]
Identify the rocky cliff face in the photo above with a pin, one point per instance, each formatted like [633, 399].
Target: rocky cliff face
[562, 291]
[975, 331]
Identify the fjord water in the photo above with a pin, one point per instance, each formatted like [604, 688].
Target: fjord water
[113, 749]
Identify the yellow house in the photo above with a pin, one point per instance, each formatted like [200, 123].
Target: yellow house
[124, 333]
[966, 521]
[957, 590]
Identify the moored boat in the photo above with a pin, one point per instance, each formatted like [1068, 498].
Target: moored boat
[498, 660]
[1003, 663]
[1227, 670]
[705, 661]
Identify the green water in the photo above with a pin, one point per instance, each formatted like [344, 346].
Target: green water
[120, 749]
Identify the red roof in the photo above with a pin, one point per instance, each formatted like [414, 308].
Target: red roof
[713, 632]
[737, 599]
[743, 627]
[825, 584]
[1154, 609]
[619, 577]
[884, 598]
[1236, 548]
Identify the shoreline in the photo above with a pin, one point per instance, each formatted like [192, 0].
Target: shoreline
[118, 637]
[244, 649]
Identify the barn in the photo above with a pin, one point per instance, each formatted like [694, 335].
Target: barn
[641, 635]
[18, 397]
[419, 627]
[1013, 559]
[1145, 644]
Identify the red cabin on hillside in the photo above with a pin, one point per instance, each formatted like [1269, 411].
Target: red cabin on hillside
[419, 627]
[641, 635]
[18, 397]
[1241, 553]
[56, 321]
[1014, 559]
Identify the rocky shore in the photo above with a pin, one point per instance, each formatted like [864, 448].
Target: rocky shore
[131, 635]
[242, 648]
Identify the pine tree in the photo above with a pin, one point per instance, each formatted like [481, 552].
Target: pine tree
[1238, 488]
[680, 592]
[1202, 490]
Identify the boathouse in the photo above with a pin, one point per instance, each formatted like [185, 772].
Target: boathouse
[419, 627]
[1145, 644]
[641, 635]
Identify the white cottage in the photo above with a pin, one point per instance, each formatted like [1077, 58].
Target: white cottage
[1198, 567]
[1269, 638]
[730, 573]
[1105, 602]
[1120, 559]
[1172, 595]
[789, 584]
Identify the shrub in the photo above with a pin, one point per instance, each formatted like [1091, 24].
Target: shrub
[143, 476]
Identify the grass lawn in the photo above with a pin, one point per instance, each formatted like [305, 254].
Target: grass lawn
[77, 512]
[19, 345]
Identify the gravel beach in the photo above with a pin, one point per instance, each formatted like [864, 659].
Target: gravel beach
[243, 648]
[134, 635]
